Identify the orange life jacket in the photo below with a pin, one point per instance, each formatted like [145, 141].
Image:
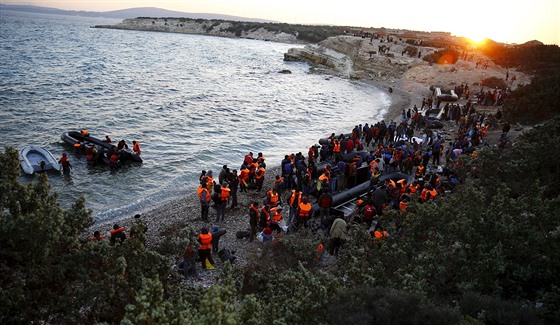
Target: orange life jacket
[244, 175]
[295, 195]
[225, 193]
[424, 194]
[260, 174]
[209, 182]
[275, 215]
[336, 148]
[304, 210]
[380, 234]
[433, 193]
[273, 197]
[402, 206]
[420, 171]
[114, 231]
[136, 148]
[372, 165]
[205, 241]
[201, 189]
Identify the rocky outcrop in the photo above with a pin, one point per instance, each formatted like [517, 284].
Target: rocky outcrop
[204, 27]
[355, 58]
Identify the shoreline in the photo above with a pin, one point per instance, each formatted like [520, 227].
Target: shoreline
[184, 211]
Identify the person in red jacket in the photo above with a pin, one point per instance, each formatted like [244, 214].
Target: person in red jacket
[325, 203]
[65, 163]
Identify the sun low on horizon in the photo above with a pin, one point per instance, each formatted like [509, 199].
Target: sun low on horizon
[501, 21]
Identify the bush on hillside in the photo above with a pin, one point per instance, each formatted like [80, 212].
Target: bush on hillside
[495, 83]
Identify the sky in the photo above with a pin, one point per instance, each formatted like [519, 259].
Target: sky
[512, 21]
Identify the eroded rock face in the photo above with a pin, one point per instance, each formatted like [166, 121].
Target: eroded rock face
[202, 27]
[353, 57]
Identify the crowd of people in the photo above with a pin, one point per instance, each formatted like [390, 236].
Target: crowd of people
[401, 162]
[424, 159]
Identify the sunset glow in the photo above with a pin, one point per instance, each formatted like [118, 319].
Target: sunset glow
[507, 22]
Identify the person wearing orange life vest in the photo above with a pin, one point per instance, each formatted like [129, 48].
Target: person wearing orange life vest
[205, 249]
[65, 163]
[294, 201]
[117, 234]
[253, 167]
[261, 159]
[413, 187]
[403, 201]
[136, 147]
[423, 195]
[428, 193]
[97, 236]
[275, 219]
[272, 198]
[379, 234]
[264, 216]
[210, 180]
[373, 164]
[259, 177]
[304, 212]
[323, 183]
[420, 169]
[336, 148]
[243, 179]
[205, 197]
[401, 185]
[222, 204]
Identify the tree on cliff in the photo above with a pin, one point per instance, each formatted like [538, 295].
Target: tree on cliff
[47, 273]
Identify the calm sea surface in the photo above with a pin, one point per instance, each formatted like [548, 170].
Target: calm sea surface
[194, 103]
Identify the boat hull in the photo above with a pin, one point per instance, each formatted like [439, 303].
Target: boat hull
[74, 137]
[30, 158]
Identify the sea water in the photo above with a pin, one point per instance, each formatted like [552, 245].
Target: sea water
[194, 103]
